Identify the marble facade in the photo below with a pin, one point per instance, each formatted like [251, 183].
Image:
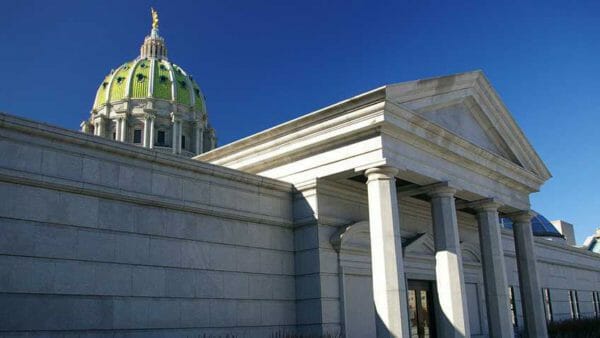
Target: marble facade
[315, 226]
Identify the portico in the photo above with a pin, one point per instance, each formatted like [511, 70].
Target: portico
[447, 142]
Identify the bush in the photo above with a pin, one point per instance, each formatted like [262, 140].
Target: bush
[580, 328]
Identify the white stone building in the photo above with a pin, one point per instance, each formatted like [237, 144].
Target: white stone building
[386, 214]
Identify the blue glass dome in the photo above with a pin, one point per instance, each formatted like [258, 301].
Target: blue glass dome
[541, 226]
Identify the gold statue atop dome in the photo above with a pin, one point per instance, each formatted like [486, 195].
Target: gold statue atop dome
[154, 18]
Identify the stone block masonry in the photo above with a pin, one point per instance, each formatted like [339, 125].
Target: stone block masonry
[98, 237]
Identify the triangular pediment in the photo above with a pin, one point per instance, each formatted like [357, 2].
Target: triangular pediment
[466, 106]
[420, 244]
[463, 117]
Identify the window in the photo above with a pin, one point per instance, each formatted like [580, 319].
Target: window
[513, 306]
[574, 302]
[137, 136]
[160, 138]
[182, 141]
[596, 298]
[547, 304]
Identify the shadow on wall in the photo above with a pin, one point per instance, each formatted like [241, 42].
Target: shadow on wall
[575, 328]
[285, 334]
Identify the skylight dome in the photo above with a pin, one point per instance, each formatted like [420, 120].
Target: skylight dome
[540, 224]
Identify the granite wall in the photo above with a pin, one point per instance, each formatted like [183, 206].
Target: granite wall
[99, 238]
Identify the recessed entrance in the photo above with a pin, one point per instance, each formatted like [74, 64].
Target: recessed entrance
[420, 309]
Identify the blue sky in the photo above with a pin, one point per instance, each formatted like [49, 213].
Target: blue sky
[261, 63]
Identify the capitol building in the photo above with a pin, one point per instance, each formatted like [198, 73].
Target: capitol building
[403, 211]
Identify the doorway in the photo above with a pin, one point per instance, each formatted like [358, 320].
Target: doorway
[420, 309]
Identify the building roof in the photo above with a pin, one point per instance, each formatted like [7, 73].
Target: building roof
[447, 129]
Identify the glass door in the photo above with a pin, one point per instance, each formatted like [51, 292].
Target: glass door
[420, 309]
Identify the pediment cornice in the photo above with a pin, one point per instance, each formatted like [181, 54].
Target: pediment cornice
[489, 100]
[476, 87]
[409, 127]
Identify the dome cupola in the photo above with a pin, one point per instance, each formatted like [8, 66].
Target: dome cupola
[154, 45]
[152, 102]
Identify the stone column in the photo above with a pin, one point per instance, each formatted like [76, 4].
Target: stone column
[199, 137]
[531, 293]
[213, 139]
[453, 317]
[148, 140]
[118, 129]
[175, 136]
[387, 265]
[151, 133]
[494, 271]
[123, 135]
[179, 133]
[146, 131]
[101, 127]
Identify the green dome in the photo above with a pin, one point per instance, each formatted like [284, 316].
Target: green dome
[149, 77]
[153, 103]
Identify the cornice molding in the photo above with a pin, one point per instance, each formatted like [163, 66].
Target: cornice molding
[299, 143]
[73, 138]
[309, 124]
[486, 91]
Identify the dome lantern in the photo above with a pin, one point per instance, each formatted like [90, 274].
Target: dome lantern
[154, 45]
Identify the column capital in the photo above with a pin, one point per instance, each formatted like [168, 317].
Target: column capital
[522, 216]
[488, 204]
[382, 172]
[442, 190]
